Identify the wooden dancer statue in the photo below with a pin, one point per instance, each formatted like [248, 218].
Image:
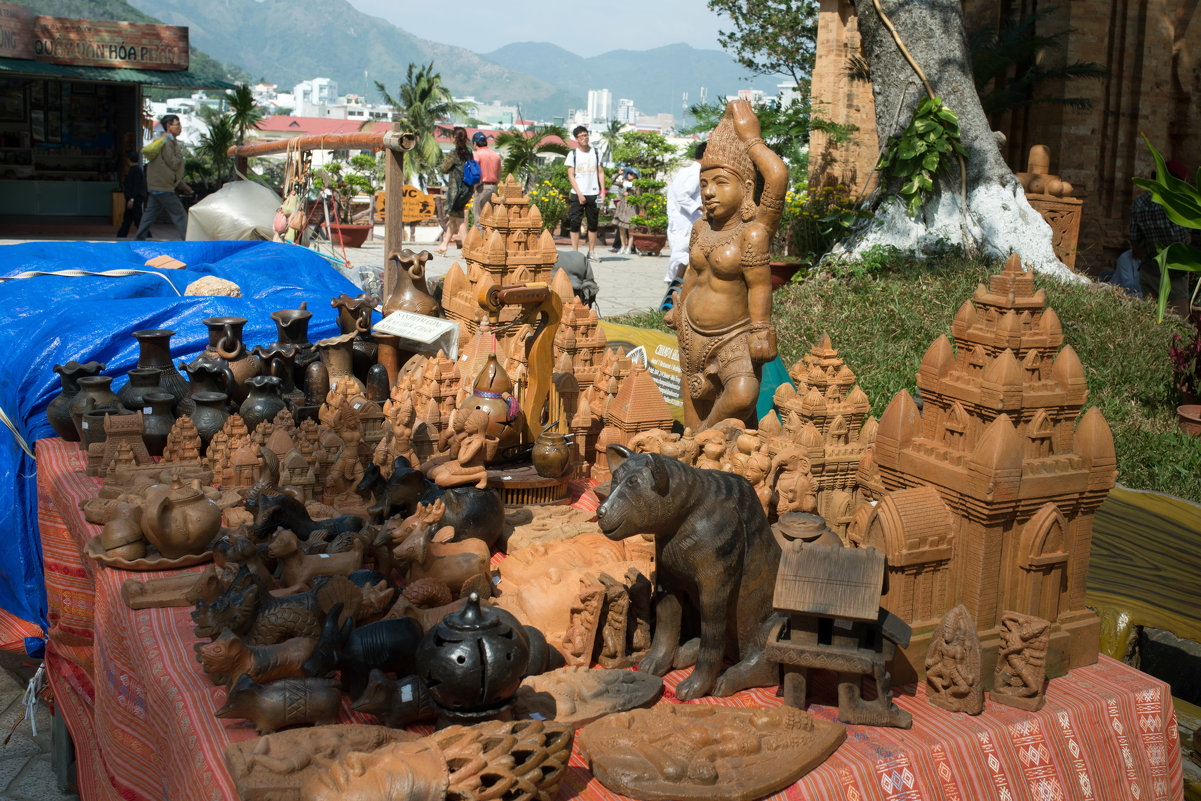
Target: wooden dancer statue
[723, 313]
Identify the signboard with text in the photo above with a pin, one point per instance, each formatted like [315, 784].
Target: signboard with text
[416, 205]
[422, 333]
[91, 42]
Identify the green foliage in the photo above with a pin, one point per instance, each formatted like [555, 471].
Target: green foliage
[551, 203]
[422, 100]
[652, 154]
[523, 151]
[1018, 48]
[244, 111]
[770, 36]
[926, 146]
[1182, 202]
[817, 217]
[215, 144]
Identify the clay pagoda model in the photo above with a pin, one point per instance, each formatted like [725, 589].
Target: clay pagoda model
[990, 490]
[513, 249]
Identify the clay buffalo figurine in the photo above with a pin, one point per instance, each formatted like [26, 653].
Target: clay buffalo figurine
[280, 510]
[398, 494]
[386, 644]
[290, 702]
[713, 549]
[229, 657]
[397, 703]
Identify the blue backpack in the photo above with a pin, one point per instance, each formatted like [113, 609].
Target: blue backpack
[471, 172]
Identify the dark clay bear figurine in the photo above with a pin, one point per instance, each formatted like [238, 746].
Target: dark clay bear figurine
[716, 558]
[386, 644]
[289, 702]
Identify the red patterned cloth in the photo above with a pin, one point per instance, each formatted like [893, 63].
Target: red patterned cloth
[140, 709]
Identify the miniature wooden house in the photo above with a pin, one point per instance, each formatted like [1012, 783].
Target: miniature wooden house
[831, 595]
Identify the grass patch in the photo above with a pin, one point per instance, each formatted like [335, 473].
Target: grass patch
[882, 315]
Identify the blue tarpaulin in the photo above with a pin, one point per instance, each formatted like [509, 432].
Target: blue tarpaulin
[55, 319]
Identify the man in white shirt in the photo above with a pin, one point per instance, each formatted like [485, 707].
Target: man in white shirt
[683, 209]
[587, 178]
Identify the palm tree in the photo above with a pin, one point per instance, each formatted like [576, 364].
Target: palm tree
[422, 102]
[523, 149]
[214, 145]
[243, 110]
[609, 139]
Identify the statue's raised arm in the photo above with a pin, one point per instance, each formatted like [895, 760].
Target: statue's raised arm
[770, 166]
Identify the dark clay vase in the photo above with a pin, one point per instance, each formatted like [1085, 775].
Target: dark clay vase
[292, 328]
[59, 410]
[155, 351]
[355, 316]
[551, 454]
[209, 414]
[91, 426]
[157, 420]
[142, 381]
[377, 384]
[279, 361]
[95, 392]
[472, 661]
[204, 375]
[263, 402]
[225, 347]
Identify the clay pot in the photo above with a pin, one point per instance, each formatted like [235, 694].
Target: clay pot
[355, 317]
[377, 384]
[225, 346]
[404, 284]
[142, 380]
[472, 662]
[279, 361]
[316, 384]
[1188, 417]
[180, 521]
[91, 426]
[122, 535]
[209, 415]
[292, 328]
[263, 402]
[551, 454]
[155, 345]
[94, 392]
[58, 412]
[338, 354]
[157, 420]
[204, 375]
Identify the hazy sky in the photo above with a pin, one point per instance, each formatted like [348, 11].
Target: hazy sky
[587, 29]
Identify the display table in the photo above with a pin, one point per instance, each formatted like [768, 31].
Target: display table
[140, 709]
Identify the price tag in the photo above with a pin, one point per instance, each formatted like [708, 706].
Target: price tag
[147, 410]
[85, 423]
[406, 693]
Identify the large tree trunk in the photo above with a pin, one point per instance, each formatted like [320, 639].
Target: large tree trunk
[998, 219]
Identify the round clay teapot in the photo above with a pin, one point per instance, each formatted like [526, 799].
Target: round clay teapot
[180, 521]
[551, 454]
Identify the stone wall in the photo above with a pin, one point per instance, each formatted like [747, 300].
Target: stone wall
[1152, 49]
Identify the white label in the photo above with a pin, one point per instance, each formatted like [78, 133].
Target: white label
[147, 410]
[406, 693]
[537, 716]
[85, 423]
[432, 332]
[322, 556]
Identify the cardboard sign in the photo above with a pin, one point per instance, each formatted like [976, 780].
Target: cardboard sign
[659, 351]
[421, 333]
[416, 205]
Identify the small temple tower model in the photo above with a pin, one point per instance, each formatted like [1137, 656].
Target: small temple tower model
[990, 490]
[513, 249]
[826, 416]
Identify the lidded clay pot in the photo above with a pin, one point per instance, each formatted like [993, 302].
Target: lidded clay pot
[551, 454]
[472, 661]
[180, 521]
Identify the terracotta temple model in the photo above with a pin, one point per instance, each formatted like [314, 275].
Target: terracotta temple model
[723, 313]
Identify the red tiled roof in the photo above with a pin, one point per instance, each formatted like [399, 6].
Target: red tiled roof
[281, 123]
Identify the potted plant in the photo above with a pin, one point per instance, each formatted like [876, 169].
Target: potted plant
[343, 184]
[551, 203]
[1186, 375]
[652, 154]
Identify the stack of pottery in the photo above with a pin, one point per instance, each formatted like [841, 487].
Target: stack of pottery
[59, 410]
[225, 348]
[95, 394]
[155, 353]
[292, 328]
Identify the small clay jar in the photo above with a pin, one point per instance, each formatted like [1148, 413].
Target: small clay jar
[204, 375]
[157, 420]
[338, 355]
[225, 346]
[94, 392]
[263, 402]
[279, 361]
[58, 412]
[142, 380]
[316, 384]
[209, 415]
[292, 328]
[91, 426]
[551, 454]
[377, 384]
[122, 535]
[155, 351]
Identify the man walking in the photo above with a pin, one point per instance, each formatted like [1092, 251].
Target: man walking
[489, 161]
[163, 175]
[587, 178]
[683, 209]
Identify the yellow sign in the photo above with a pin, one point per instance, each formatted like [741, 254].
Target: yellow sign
[659, 351]
[416, 206]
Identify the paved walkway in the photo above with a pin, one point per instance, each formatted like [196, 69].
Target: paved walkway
[26, 773]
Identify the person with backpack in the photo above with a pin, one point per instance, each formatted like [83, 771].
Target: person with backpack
[587, 178]
[489, 161]
[459, 166]
[164, 174]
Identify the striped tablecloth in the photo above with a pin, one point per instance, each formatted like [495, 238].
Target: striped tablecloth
[141, 710]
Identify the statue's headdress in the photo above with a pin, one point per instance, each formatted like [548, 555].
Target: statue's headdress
[726, 150]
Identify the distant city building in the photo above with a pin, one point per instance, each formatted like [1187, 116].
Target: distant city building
[600, 105]
[496, 114]
[626, 113]
[664, 123]
[313, 93]
[753, 96]
[787, 93]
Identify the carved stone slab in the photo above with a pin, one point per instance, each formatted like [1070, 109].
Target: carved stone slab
[530, 525]
[576, 696]
[706, 753]
[275, 766]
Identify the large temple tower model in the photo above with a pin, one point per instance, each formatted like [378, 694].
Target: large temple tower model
[991, 488]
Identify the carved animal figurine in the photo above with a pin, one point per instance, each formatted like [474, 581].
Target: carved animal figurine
[953, 664]
[455, 563]
[473, 512]
[280, 510]
[714, 551]
[229, 656]
[1021, 675]
[261, 618]
[387, 645]
[298, 569]
[396, 703]
[398, 494]
[290, 702]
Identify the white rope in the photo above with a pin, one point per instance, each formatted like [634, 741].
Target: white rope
[31, 697]
[20, 440]
[79, 273]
